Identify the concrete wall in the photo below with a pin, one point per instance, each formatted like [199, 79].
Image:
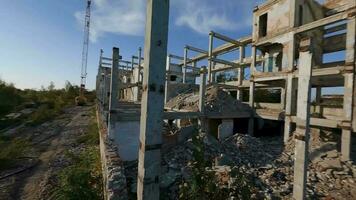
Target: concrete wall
[126, 137]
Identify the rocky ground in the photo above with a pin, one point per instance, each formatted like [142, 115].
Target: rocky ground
[34, 176]
[264, 161]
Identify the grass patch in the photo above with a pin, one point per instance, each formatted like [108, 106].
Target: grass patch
[11, 150]
[82, 179]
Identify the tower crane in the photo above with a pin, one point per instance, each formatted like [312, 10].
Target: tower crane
[81, 100]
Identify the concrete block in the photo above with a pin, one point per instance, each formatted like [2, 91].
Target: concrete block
[225, 129]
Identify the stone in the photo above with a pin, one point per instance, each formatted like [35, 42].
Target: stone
[332, 154]
[330, 164]
[225, 129]
[169, 178]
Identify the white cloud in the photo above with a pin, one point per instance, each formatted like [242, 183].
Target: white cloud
[125, 17]
[203, 16]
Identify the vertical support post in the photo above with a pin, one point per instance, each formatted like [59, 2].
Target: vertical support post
[136, 76]
[168, 70]
[98, 77]
[347, 129]
[156, 39]
[288, 60]
[252, 92]
[202, 90]
[283, 97]
[139, 64]
[210, 56]
[318, 100]
[185, 64]
[303, 120]
[350, 90]
[241, 73]
[132, 63]
[113, 101]
[351, 61]
[288, 107]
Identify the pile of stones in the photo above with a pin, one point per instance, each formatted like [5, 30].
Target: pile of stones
[265, 161]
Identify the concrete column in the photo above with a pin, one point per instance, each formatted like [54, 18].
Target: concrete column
[252, 103]
[185, 64]
[252, 92]
[290, 100]
[347, 105]
[351, 61]
[303, 119]
[156, 39]
[139, 64]
[210, 56]
[283, 98]
[113, 101]
[136, 79]
[240, 72]
[202, 90]
[318, 100]
[168, 69]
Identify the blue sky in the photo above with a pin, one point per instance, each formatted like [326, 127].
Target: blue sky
[41, 40]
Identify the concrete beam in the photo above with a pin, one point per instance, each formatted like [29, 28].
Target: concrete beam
[156, 39]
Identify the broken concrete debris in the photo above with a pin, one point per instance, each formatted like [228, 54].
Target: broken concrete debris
[267, 165]
[217, 101]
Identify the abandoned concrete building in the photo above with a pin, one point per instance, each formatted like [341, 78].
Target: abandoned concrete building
[298, 50]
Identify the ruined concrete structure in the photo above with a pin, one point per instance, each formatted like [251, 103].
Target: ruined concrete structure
[298, 49]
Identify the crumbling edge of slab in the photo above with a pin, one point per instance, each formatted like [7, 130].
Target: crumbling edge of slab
[114, 180]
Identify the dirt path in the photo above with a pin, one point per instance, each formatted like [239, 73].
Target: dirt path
[50, 141]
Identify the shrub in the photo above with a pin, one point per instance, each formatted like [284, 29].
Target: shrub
[11, 150]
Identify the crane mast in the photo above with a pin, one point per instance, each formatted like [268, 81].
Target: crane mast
[85, 49]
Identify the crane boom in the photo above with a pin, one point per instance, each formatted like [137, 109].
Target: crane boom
[85, 48]
[81, 100]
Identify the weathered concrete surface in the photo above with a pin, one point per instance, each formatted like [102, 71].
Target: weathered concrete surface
[152, 104]
[126, 137]
[225, 129]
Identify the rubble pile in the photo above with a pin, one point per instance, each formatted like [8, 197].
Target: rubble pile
[217, 101]
[266, 162]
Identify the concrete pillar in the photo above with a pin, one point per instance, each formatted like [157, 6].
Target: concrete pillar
[210, 56]
[318, 101]
[225, 129]
[136, 77]
[303, 120]
[351, 61]
[347, 105]
[166, 89]
[113, 101]
[202, 90]
[252, 92]
[241, 73]
[156, 39]
[283, 98]
[185, 64]
[251, 124]
[290, 99]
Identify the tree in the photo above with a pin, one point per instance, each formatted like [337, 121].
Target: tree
[51, 86]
